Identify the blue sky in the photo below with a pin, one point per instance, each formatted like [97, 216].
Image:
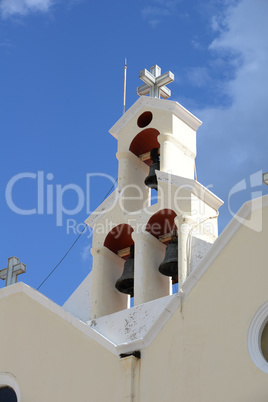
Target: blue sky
[61, 78]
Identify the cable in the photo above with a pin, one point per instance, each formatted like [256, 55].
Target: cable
[62, 258]
[109, 190]
[78, 237]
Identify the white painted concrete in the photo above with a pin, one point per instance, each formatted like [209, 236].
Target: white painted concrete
[107, 268]
[149, 284]
[79, 303]
[134, 328]
[147, 102]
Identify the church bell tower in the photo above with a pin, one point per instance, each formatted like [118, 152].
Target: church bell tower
[153, 230]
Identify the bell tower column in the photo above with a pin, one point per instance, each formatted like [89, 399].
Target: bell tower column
[105, 299]
[175, 157]
[149, 284]
[184, 225]
[131, 175]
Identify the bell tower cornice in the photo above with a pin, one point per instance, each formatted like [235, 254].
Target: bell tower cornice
[145, 102]
[196, 188]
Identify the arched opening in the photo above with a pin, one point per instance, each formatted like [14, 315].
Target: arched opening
[120, 242]
[264, 342]
[258, 338]
[141, 146]
[162, 226]
[143, 143]
[7, 394]
[162, 223]
[119, 238]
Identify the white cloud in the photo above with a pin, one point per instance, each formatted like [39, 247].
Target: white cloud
[158, 10]
[234, 139]
[152, 11]
[196, 44]
[154, 14]
[6, 43]
[9, 8]
[214, 23]
[198, 76]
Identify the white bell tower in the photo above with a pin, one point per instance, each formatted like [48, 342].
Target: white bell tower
[184, 207]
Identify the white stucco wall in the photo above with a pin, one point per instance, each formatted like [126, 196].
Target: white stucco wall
[52, 360]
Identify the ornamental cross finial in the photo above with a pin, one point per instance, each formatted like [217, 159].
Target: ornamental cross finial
[155, 83]
[14, 268]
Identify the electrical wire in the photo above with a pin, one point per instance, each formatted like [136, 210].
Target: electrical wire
[78, 237]
[65, 255]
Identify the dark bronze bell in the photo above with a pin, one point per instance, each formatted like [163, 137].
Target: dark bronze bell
[125, 284]
[169, 266]
[151, 179]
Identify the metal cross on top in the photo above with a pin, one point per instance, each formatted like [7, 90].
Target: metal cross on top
[155, 83]
[14, 268]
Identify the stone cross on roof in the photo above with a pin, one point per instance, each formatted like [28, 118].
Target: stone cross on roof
[14, 268]
[155, 83]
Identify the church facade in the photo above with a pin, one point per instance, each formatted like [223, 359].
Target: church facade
[170, 311]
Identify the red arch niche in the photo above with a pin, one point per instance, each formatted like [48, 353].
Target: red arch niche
[144, 142]
[161, 222]
[119, 237]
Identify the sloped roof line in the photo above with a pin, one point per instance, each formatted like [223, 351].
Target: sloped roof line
[163, 308]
